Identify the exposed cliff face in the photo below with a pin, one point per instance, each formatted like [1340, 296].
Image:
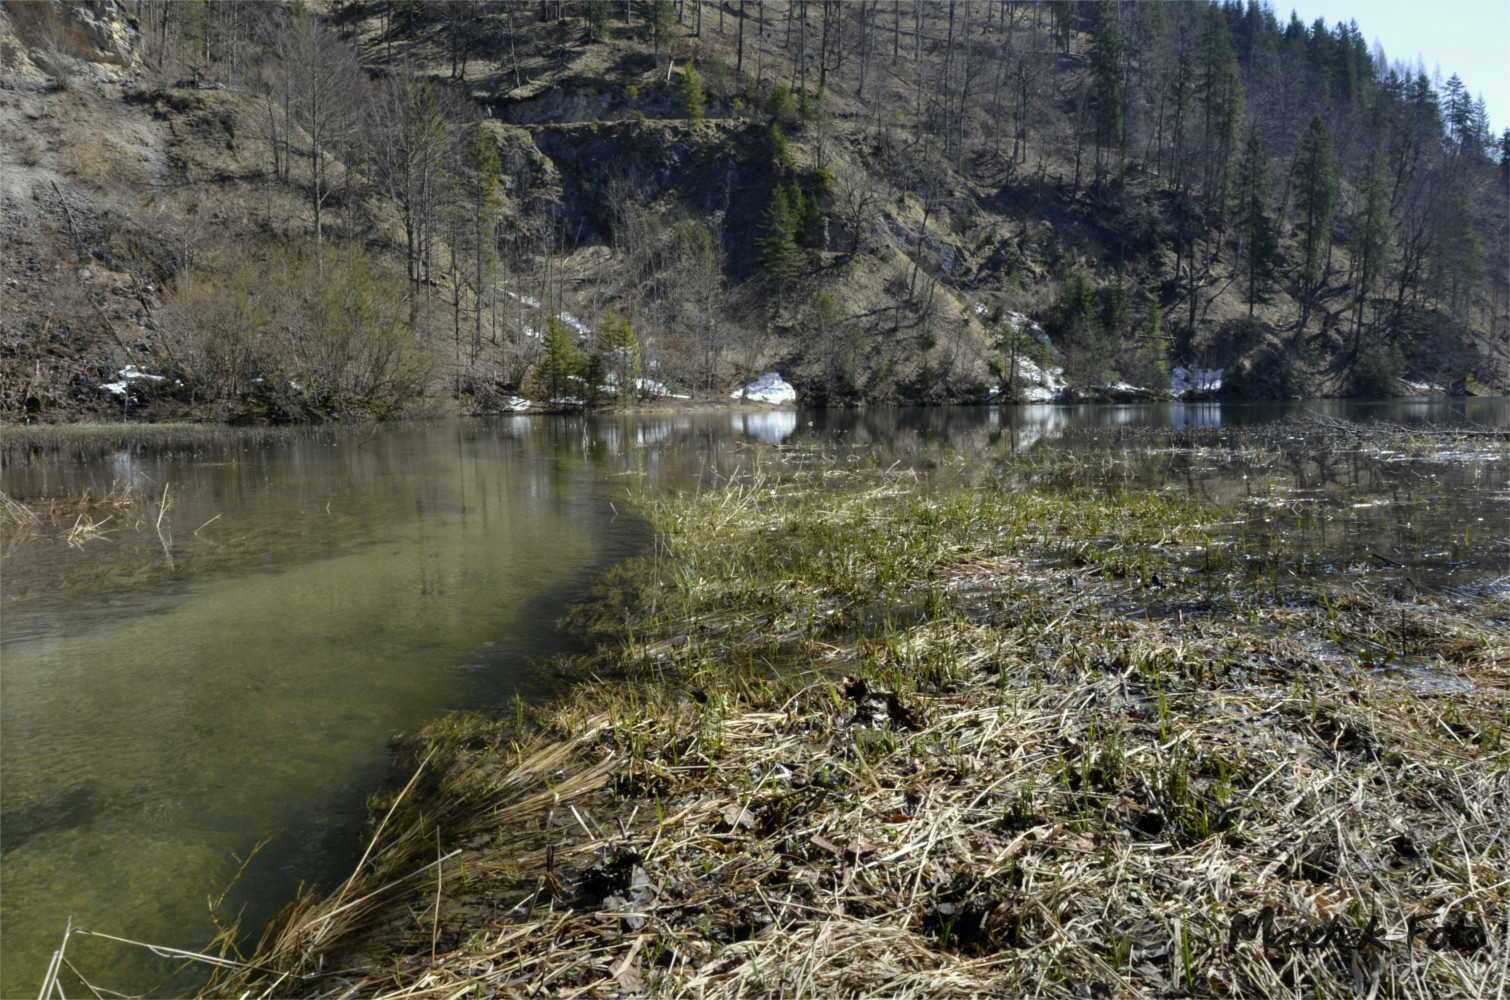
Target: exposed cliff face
[706, 168]
[60, 43]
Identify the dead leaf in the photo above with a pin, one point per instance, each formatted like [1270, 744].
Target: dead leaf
[900, 714]
[825, 844]
[853, 688]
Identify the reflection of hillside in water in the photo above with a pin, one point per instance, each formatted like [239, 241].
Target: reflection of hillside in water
[773, 427]
[311, 594]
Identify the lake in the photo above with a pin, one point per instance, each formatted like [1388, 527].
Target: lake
[222, 663]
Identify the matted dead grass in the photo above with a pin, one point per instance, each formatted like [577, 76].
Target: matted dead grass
[878, 737]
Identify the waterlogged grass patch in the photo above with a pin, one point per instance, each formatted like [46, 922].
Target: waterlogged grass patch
[875, 734]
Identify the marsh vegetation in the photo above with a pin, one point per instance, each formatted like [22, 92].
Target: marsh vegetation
[1046, 723]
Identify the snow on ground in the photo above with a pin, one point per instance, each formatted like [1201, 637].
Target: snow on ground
[645, 386]
[127, 375]
[1038, 385]
[1421, 387]
[576, 324]
[769, 388]
[528, 300]
[1182, 380]
[515, 404]
[642, 386]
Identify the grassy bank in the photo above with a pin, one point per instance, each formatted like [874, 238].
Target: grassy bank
[869, 733]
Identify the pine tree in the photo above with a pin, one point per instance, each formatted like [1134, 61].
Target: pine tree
[1458, 111]
[780, 107]
[1150, 340]
[598, 14]
[1116, 308]
[658, 21]
[483, 168]
[1109, 94]
[1254, 225]
[559, 362]
[620, 350]
[1370, 242]
[1220, 89]
[780, 257]
[689, 94]
[1315, 200]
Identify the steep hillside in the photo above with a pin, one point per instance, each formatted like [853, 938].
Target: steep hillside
[303, 213]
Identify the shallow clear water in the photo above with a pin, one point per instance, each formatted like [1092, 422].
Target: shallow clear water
[230, 669]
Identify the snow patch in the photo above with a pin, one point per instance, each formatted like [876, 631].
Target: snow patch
[769, 388]
[127, 375]
[1421, 387]
[515, 404]
[647, 387]
[641, 386]
[1038, 385]
[576, 324]
[1182, 380]
[528, 300]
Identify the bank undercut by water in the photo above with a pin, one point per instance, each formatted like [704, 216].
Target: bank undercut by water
[870, 734]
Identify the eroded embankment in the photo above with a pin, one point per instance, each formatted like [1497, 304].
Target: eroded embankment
[867, 734]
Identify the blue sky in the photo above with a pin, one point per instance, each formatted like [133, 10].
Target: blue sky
[1468, 37]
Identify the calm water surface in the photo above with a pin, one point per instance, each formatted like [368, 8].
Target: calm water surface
[178, 690]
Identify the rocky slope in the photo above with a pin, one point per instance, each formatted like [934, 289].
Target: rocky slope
[132, 194]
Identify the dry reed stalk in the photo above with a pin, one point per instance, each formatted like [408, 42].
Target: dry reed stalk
[1021, 792]
[14, 514]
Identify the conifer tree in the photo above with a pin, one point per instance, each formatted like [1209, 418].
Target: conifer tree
[689, 94]
[1150, 340]
[780, 257]
[598, 14]
[1370, 242]
[483, 168]
[1254, 225]
[1315, 200]
[658, 21]
[1109, 95]
[620, 350]
[1220, 89]
[560, 361]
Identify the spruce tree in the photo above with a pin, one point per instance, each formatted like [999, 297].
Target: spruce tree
[1369, 245]
[689, 94]
[1109, 95]
[1254, 225]
[1150, 340]
[1315, 200]
[1220, 89]
[658, 22]
[780, 257]
[483, 168]
[598, 14]
[559, 362]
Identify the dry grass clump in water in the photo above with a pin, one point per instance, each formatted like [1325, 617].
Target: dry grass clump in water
[892, 739]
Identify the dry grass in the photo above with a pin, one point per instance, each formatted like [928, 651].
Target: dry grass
[880, 737]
